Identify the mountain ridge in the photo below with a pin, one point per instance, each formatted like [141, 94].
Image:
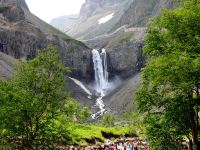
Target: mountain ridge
[64, 22]
[91, 11]
[21, 3]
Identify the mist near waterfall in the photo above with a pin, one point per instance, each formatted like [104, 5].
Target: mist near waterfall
[113, 84]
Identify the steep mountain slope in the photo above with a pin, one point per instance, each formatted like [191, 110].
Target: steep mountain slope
[93, 17]
[22, 33]
[129, 13]
[140, 11]
[63, 23]
[120, 100]
[21, 3]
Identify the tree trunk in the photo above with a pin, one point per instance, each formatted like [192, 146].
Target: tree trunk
[194, 131]
[197, 117]
[190, 144]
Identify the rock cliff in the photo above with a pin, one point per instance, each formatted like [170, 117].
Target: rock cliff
[20, 3]
[7, 65]
[92, 7]
[140, 11]
[22, 33]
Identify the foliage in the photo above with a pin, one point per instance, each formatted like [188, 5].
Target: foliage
[169, 95]
[108, 120]
[80, 134]
[135, 122]
[33, 98]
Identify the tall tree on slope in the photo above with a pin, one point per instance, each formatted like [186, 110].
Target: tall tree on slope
[169, 96]
[33, 98]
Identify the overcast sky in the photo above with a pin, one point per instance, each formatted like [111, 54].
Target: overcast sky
[49, 9]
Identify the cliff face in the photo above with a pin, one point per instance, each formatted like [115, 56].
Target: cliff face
[64, 22]
[22, 33]
[91, 7]
[127, 56]
[7, 65]
[20, 3]
[140, 11]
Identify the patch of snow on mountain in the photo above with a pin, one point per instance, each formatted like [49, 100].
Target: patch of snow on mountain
[106, 18]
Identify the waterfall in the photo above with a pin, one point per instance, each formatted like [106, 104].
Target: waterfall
[101, 71]
[101, 78]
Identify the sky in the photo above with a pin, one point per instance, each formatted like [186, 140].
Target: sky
[50, 9]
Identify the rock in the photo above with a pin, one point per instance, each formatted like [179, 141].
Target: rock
[121, 99]
[80, 95]
[140, 11]
[126, 59]
[63, 23]
[7, 64]
[22, 33]
[21, 3]
[91, 7]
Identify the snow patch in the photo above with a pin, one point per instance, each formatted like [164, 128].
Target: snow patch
[106, 18]
[80, 84]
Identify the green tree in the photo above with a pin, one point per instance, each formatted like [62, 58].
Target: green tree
[108, 120]
[33, 98]
[169, 95]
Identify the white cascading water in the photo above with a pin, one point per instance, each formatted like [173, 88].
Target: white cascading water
[101, 78]
[101, 71]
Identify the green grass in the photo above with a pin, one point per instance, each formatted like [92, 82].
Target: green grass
[120, 39]
[81, 133]
[3, 147]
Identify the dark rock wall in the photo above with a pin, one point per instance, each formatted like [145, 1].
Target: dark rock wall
[126, 60]
[20, 44]
[12, 12]
[140, 11]
[20, 3]
[20, 37]
[23, 45]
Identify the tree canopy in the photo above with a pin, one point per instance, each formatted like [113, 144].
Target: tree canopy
[34, 100]
[169, 95]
